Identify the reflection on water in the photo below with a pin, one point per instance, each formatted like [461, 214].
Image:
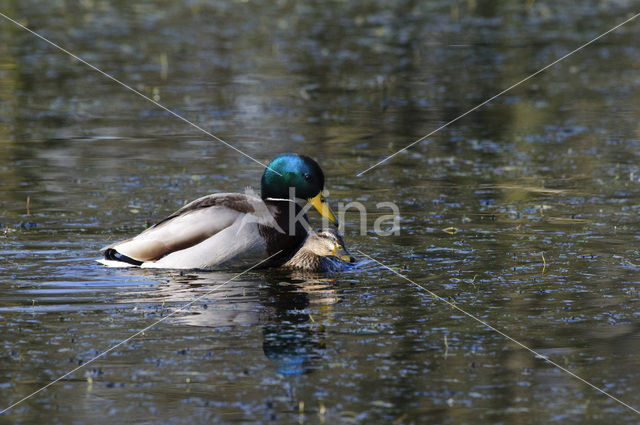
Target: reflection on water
[524, 212]
[280, 306]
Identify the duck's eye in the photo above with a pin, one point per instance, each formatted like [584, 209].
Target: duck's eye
[307, 177]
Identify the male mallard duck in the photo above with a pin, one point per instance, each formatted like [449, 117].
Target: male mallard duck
[322, 251]
[232, 230]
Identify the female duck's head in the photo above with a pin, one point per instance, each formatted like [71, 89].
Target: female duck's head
[322, 251]
[327, 243]
[291, 176]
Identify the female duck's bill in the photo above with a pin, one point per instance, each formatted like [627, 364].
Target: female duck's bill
[232, 230]
[322, 251]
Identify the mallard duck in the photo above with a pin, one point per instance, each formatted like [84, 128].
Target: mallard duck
[322, 251]
[232, 230]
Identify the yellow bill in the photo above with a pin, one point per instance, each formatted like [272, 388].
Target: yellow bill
[321, 205]
[340, 252]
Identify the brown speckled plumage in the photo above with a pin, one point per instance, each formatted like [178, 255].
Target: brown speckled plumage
[318, 253]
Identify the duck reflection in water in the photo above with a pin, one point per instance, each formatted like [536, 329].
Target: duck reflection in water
[279, 303]
[290, 337]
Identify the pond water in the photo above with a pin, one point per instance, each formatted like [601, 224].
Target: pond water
[523, 213]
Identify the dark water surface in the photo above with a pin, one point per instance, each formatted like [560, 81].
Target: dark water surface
[524, 213]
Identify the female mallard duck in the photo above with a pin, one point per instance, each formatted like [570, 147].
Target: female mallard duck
[232, 230]
[322, 251]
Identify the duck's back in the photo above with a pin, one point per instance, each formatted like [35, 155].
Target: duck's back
[219, 231]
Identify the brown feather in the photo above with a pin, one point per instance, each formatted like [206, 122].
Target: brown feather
[233, 201]
[287, 242]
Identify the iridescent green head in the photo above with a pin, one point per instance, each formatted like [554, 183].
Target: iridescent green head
[303, 174]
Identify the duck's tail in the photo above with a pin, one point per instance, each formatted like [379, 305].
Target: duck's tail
[113, 258]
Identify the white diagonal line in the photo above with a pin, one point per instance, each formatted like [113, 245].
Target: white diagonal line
[141, 331]
[500, 94]
[477, 319]
[128, 87]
